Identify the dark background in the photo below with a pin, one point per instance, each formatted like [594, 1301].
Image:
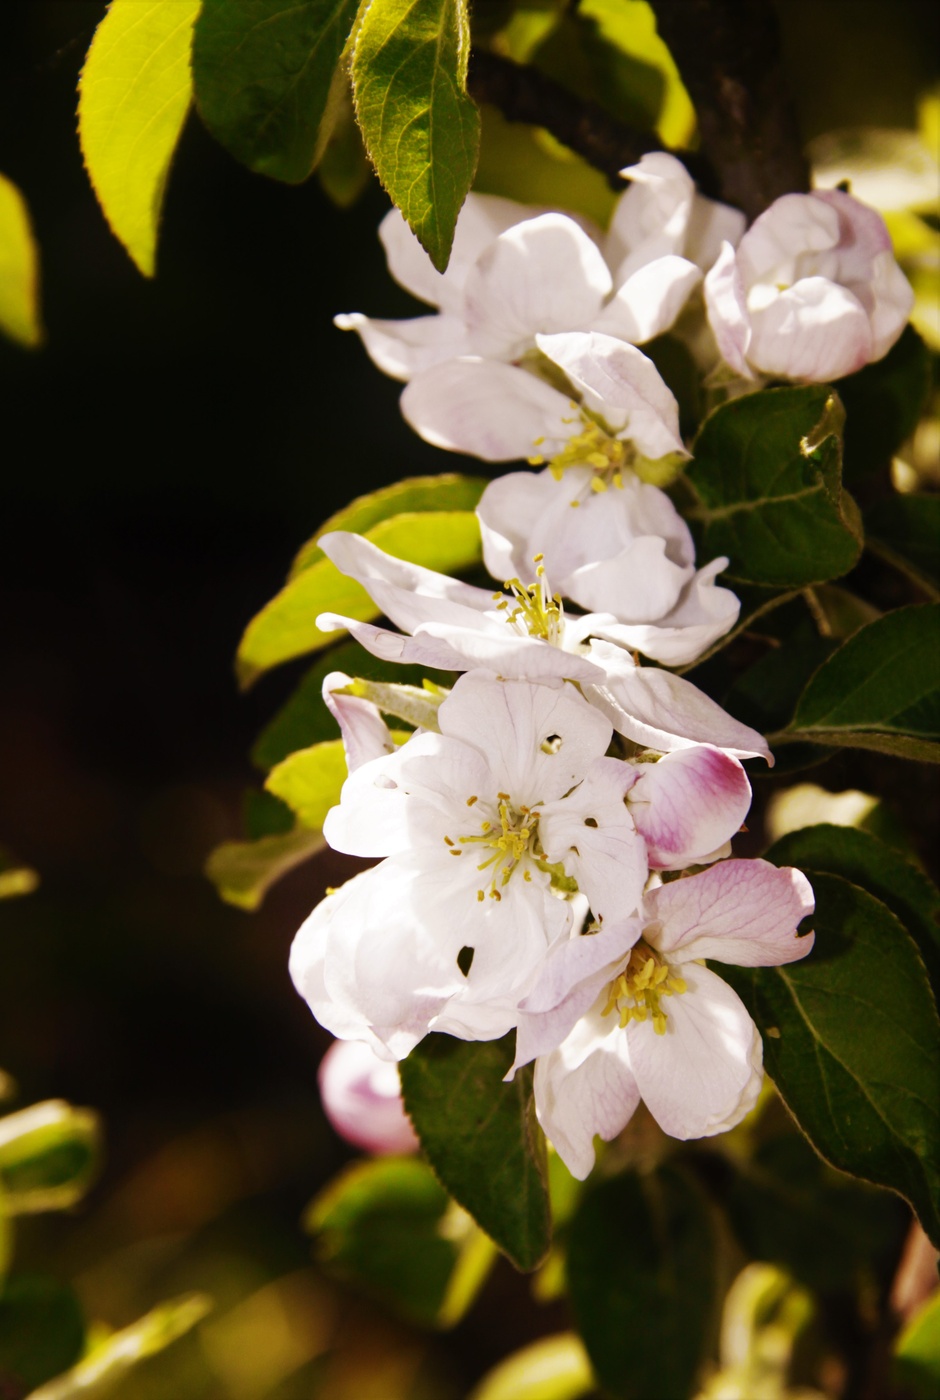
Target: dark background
[163, 457]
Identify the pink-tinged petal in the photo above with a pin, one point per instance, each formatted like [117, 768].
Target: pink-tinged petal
[649, 300]
[364, 731]
[726, 304]
[523, 514]
[794, 228]
[892, 303]
[863, 234]
[361, 1097]
[651, 218]
[688, 804]
[703, 613]
[592, 834]
[710, 225]
[814, 331]
[403, 349]
[574, 974]
[738, 911]
[487, 409]
[704, 1074]
[538, 739]
[662, 711]
[482, 219]
[364, 561]
[621, 384]
[586, 1087]
[545, 274]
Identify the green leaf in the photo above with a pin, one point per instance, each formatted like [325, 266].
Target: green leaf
[48, 1156]
[19, 269]
[768, 486]
[643, 1275]
[916, 1369]
[883, 404]
[310, 781]
[305, 720]
[344, 170]
[553, 1368]
[389, 1227]
[880, 690]
[96, 1375]
[134, 93]
[42, 1331]
[422, 132]
[905, 530]
[446, 541]
[244, 871]
[881, 870]
[482, 1140]
[264, 73]
[852, 1043]
[448, 492]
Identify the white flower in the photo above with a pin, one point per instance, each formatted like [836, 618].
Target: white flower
[812, 293]
[361, 1097]
[629, 1013]
[475, 826]
[624, 551]
[524, 635]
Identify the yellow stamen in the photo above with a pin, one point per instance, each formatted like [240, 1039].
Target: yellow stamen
[635, 994]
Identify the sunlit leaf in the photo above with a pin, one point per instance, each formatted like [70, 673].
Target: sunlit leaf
[421, 130]
[42, 1331]
[553, 1368]
[244, 871]
[880, 690]
[768, 487]
[19, 269]
[447, 541]
[917, 1352]
[481, 1138]
[310, 780]
[852, 1043]
[264, 73]
[99, 1372]
[643, 1248]
[135, 91]
[48, 1156]
[389, 1227]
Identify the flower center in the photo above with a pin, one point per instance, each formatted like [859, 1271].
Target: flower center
[594, 446]
[537, 613]
[507, 842]
[637, 992]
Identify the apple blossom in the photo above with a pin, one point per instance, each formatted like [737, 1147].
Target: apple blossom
[361, 1097]
[812, 293]
[525, 635]
[624, 551]
[630, 1012]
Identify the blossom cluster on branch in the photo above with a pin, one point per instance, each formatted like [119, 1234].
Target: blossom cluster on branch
[554, 839]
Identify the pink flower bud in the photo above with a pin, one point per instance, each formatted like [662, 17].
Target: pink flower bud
[361, 1097]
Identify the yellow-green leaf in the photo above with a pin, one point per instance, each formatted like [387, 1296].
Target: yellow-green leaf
[48, 1156]
[134, 93]
[446, 541]
[244, 871]
[310, 780]
[19, 269]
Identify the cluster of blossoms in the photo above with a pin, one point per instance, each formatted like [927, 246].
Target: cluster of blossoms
[554, 838]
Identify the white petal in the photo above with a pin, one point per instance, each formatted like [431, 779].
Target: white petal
[662, 711]
[640, 583]
[586, 1087]
[703, 613]
[710, 225]
[509, 656]
[650, 219]
[404, 348]
[528, 513]
[795, 227]
[591, 832]
[704, 1074]
[392, 646]
[487, 409]
[688, 804]
[621, 384]
[362, 560]
[726, 303]
[649, 300]
[542, 275]
[815, 331]
[365, 733]
[738, 911]
[509, 722]
[893, 301]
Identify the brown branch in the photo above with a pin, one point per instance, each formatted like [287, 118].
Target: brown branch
[728, 53]
[524, 94]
